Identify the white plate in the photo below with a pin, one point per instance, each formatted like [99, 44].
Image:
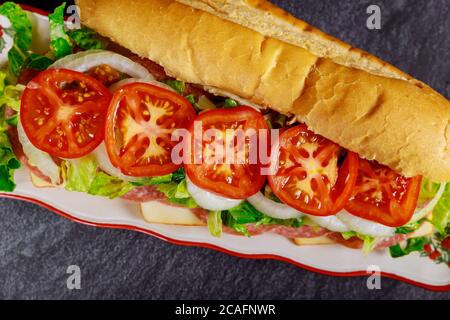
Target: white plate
[329, 259]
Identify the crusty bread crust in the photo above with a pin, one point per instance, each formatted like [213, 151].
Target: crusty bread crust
[266, 18]
[380, 113]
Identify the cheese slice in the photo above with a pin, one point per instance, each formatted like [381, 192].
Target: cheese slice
[313, 241]
[158, 212]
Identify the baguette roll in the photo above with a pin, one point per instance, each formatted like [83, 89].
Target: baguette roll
[256, 51]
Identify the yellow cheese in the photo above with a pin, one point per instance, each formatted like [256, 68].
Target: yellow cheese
[157, 212]
[313, 241]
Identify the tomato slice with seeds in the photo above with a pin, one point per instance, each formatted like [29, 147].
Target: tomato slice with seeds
[139, 126]
[63, 112]
[383, 196]
[239, 176]
[306, 174]
[105, 74]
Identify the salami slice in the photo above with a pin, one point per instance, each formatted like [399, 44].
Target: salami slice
[391, 241]
[144, 194]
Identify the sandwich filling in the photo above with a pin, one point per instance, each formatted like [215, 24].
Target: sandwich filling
[90, 116]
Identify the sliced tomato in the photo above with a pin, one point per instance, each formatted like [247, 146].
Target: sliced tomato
[307, 175]
[237, 177]
[139, 126]
[63, 112]
[105, 74]
[383, 196]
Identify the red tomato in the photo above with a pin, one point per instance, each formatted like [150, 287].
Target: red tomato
[233, 178]
[435, 255]
[446, 243]
[139, 126]
[307, 176]
[63, 112]
[105, 74]
[383, 196]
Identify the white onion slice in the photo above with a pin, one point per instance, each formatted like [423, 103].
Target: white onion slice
[331, 223]
[38, 158]
[364, 226]
[273, 209]
[105, 164]
[85, 60]
[421, 213]
[114, 87]
[208, 200]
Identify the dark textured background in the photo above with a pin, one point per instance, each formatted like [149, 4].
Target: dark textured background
[36, 245]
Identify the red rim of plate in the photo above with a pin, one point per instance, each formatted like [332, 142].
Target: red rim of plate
[208, 245]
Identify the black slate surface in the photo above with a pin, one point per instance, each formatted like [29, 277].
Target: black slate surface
[37, 246]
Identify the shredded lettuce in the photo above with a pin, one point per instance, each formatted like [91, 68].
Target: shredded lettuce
[38, 62]
[441, 212]
[87, 39]
[369, 243]
[8, 163]
[191, 99]
[428, 190]
[176, 176]
[176, 192]
[82, 175]
[60, 42]
[238, 217]
[215, 223]
[22, 35]
[348, 234]
[412, 244]
[8, 160]
[178, 86]
[9, 94]
[108, 186]
[410, 227]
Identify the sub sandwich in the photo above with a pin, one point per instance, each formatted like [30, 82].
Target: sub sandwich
[357, 152]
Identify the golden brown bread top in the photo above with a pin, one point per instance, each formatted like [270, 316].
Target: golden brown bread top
[270, 20]
[401, 123]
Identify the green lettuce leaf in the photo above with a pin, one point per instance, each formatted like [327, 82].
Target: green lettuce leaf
[410, 227]
[151, 181]
[82, 175]
[369, 242]
[348, 234]
[22, 32]
[38, 62]
[176, 192]
[178, 86]
[8, 160]
[215, 223]
[412, 244]
[87, 39]
[428, 190]
[176, 177]
[108, 186]
[8, 163]
[441, 212]
[60, 42]
[238, 217]
[9, 94]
